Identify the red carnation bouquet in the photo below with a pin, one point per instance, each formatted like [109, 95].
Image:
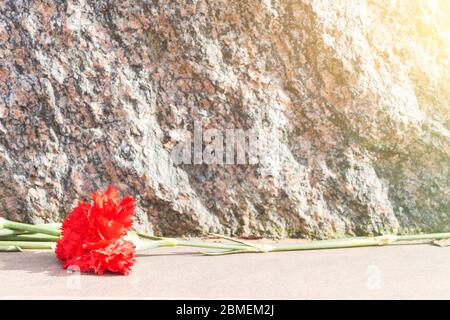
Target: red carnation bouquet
[97, 237]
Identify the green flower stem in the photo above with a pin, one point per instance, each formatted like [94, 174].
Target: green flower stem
[172, 242]
[45, 229]
[244, 247]
[146, 236]
[28, 237]
[316, 245]
[430, 236]
[9, 248]
[145, 245]
[209, 245]
[29, 244]
[345, 243]
[9, 232]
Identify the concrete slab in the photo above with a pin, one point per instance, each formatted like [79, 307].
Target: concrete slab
[394, 272]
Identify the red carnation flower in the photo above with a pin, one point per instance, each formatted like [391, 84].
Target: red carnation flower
[93, 235]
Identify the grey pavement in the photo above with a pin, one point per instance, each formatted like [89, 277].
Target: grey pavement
[394, 272]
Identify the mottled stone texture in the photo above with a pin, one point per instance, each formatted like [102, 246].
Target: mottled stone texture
[93, 92]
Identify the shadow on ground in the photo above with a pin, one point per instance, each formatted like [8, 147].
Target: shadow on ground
[45, 262]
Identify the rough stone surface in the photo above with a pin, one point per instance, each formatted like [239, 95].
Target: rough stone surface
[96, 92]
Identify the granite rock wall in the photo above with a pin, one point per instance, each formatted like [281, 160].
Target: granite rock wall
[356, 92]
